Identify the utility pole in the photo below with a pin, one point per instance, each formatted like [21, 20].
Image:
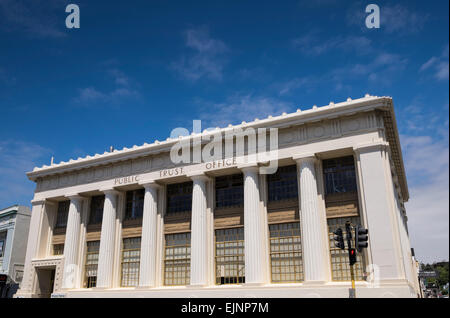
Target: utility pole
[351, 257]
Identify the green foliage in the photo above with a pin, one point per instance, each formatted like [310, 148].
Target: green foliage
[441, 269]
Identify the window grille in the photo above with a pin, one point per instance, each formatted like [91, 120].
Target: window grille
[230, 258]
[230, 191]
[177, 259]
[91, 265]
[340, 266]
[62, 214]
[339, 175]
[2, 243]
[96, 214]
[131, 253]
[134, 204]
[58, 249]
[179, 197]
[286, 252]
[282, 185]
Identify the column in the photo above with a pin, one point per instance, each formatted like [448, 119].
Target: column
[106, 252]
[147, 270]
[374, 184]
[7, 248]
[253, 228]
[311, 222]
[72, 242]
[199, 228]
[37, 211]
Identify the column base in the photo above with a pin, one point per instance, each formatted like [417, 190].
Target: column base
[314, 283]
[197, 286]
[144, 287]
[254, 284]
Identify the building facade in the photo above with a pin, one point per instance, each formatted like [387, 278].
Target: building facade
[14, 226]
[137, 223]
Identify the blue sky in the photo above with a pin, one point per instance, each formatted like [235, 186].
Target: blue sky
[137, 69]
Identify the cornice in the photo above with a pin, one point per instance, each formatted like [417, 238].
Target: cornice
[315, 114]
[298, 118]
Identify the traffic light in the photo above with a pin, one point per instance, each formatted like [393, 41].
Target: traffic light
[361, 238]
[352, 256]
[339, 239]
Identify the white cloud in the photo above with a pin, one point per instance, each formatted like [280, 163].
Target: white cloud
[207, 59]
[40, 18]
[241, 107]
[312, 44]
[17, 158]
[90, 95]
[394, 19]
[398, 18]
[439, 65]
[427, 168]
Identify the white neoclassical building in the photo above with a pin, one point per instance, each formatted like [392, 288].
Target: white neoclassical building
[136, 223]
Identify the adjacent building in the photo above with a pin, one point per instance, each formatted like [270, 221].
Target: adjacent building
[137, 223]
[14, 226]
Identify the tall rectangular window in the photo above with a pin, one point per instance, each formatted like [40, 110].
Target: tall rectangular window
[134, 204]
[230, 258]
[58, 249]
[341, 202]
[339, 175]
[131, 254]
[62, 214]
[96, 213]
[2, 243]
[340, 265]
[177, 259]
[286, 252]
[282, 185]
[230, 191]
[91, 265]
[179, 197]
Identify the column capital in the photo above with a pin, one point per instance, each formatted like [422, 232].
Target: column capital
[150, 184]
[110, 191]
[39, 201]
[74, 196]
[198, 176]
[370, 146]
[249, 168]
[308, 156]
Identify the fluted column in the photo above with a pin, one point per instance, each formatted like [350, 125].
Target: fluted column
[147, 270]
[313, 237]
[199, 240]
[253, 228]
[106, 252]
[72, 242]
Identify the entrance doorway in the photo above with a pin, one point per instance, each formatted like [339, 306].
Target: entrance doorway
[45, 282]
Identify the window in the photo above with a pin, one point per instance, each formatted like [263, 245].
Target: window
[286, 252]
[135, 204]
[2, 243]
[230, 258]
[91, 264]
[131, 254]
[339, 175]
[58, 249]
[340, 266]
[177, 259]
[179, 197]
[62, 214]
[282, 185]
[96, 215]
[230, 191]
